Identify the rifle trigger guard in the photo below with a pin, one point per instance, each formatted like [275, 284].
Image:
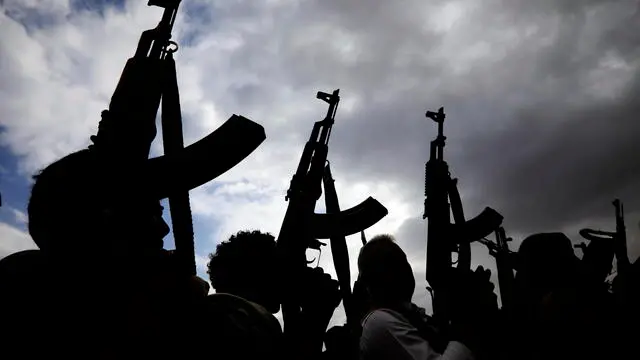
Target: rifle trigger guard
[316, 245]
[172, 47]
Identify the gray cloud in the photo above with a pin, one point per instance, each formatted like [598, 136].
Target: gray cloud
[540, 103]
[539, 95]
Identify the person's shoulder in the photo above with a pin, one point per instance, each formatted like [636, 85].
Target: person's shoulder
[240, 327]
[382, 317]
[382, 323]
[242, 313]
[22, 266]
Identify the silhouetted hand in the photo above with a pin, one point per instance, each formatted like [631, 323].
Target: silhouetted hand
[474, 307]
[341, 343]
[320, 295]
[473, 299]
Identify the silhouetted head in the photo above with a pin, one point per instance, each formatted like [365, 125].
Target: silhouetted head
[546, 261]
[233, 328]
[245, 266]
[77, 205]
[385, 272]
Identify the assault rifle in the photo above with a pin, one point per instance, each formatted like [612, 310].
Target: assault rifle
[302, 227]
[598, 255]
[442, 236]
[128, 128]
[338, 242]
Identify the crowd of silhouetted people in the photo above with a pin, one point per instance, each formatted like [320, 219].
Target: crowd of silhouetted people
[102, 286]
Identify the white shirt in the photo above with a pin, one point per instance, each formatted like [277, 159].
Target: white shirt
[387, 335]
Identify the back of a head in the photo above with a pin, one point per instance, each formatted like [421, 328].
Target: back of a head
[60, 203]
[233, 328]
[77, 204]
[245, 265]
[546, 260]
[385, 271]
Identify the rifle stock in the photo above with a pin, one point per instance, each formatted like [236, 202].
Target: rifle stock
[504, 264]
[339, 250]
[621, 239]
[464, 247]
[179, 206]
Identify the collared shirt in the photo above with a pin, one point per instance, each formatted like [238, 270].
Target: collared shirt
[387, 335]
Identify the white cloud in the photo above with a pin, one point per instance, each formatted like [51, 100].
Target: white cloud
[266, 60]
[20, 217]
[14, 240]
[58, 79]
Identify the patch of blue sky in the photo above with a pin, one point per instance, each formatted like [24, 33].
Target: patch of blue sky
[14, 187]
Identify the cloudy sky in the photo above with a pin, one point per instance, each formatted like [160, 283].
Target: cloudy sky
[540, 99]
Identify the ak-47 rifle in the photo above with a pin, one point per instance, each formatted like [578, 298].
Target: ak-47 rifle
[338, 242]
[505, 264]
[128, 128]
[601, 258]
[442, 236]
[301, 227]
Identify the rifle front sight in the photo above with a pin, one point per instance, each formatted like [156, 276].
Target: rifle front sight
[329, 98]
[436, 116]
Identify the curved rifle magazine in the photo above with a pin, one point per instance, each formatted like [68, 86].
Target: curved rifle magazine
[477, 228]
[206, 159]
[348, 222]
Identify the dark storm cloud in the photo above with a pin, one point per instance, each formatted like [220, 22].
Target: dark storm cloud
[533, 130]
[540, 96]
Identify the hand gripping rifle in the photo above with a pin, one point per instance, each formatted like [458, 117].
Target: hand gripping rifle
[442, 236]
[338, 242]
[128, 128]
[301, 227]
[601, 257]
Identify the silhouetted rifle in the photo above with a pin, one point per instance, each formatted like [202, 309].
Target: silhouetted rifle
[338, 242]
[619, 237]
[443, 237]
[128, 128]
[505, 263]
[301, 227]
